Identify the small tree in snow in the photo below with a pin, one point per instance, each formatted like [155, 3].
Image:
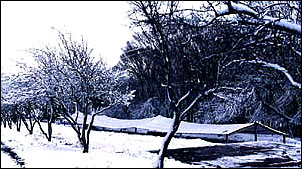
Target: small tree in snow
[17, 92]
[78, 86]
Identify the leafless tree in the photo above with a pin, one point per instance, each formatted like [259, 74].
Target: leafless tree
[77, 85]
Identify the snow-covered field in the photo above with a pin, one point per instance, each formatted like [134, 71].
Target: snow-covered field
[7, 162]
[107, 149]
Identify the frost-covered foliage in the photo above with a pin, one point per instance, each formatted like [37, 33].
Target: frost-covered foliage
[19, 88]
[78, 83]
[150, 108]
[225, 106]
[146, 109]
[281, 110]
[21, 97]
[138, 110]
[71, 75]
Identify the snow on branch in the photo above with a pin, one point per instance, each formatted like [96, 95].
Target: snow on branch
[243, 9]
[278, 67]
[282, 24]
[294, 50]
[231, 88]
[190, 106]
[224, 97]
[232, 8]
[266, 64]
[183, 97]
[285, 24]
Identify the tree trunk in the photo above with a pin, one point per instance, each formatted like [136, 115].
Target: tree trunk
[163, 151]
[18, 120]
[86, 147]
[84, 127]
[49, 131]
[19, 123]
[29, 128]
[4, 123]
[49, 121]
[9, 122]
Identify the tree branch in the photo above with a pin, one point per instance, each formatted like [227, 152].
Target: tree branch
[277, 67]
[183, 97]
[183, 114]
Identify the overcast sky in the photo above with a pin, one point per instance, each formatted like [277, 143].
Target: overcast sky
[26, 24]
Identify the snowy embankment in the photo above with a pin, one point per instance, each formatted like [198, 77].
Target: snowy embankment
[107, 149]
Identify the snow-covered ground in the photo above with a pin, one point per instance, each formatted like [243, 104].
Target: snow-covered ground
[7, 162]
[107, 149]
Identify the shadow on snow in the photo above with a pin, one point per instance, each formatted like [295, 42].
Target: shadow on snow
[196, 155]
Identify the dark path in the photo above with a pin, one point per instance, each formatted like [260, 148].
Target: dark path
[13, 155]
[270, 152]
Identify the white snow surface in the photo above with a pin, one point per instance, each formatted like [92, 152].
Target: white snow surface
[224, 9]
[284, 23]
[243, 8]
[106, 149]
[7, 162]
[163, 124]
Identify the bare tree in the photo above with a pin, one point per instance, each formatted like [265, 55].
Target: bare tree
[16, 94]
[150, 11]
[76, 83]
